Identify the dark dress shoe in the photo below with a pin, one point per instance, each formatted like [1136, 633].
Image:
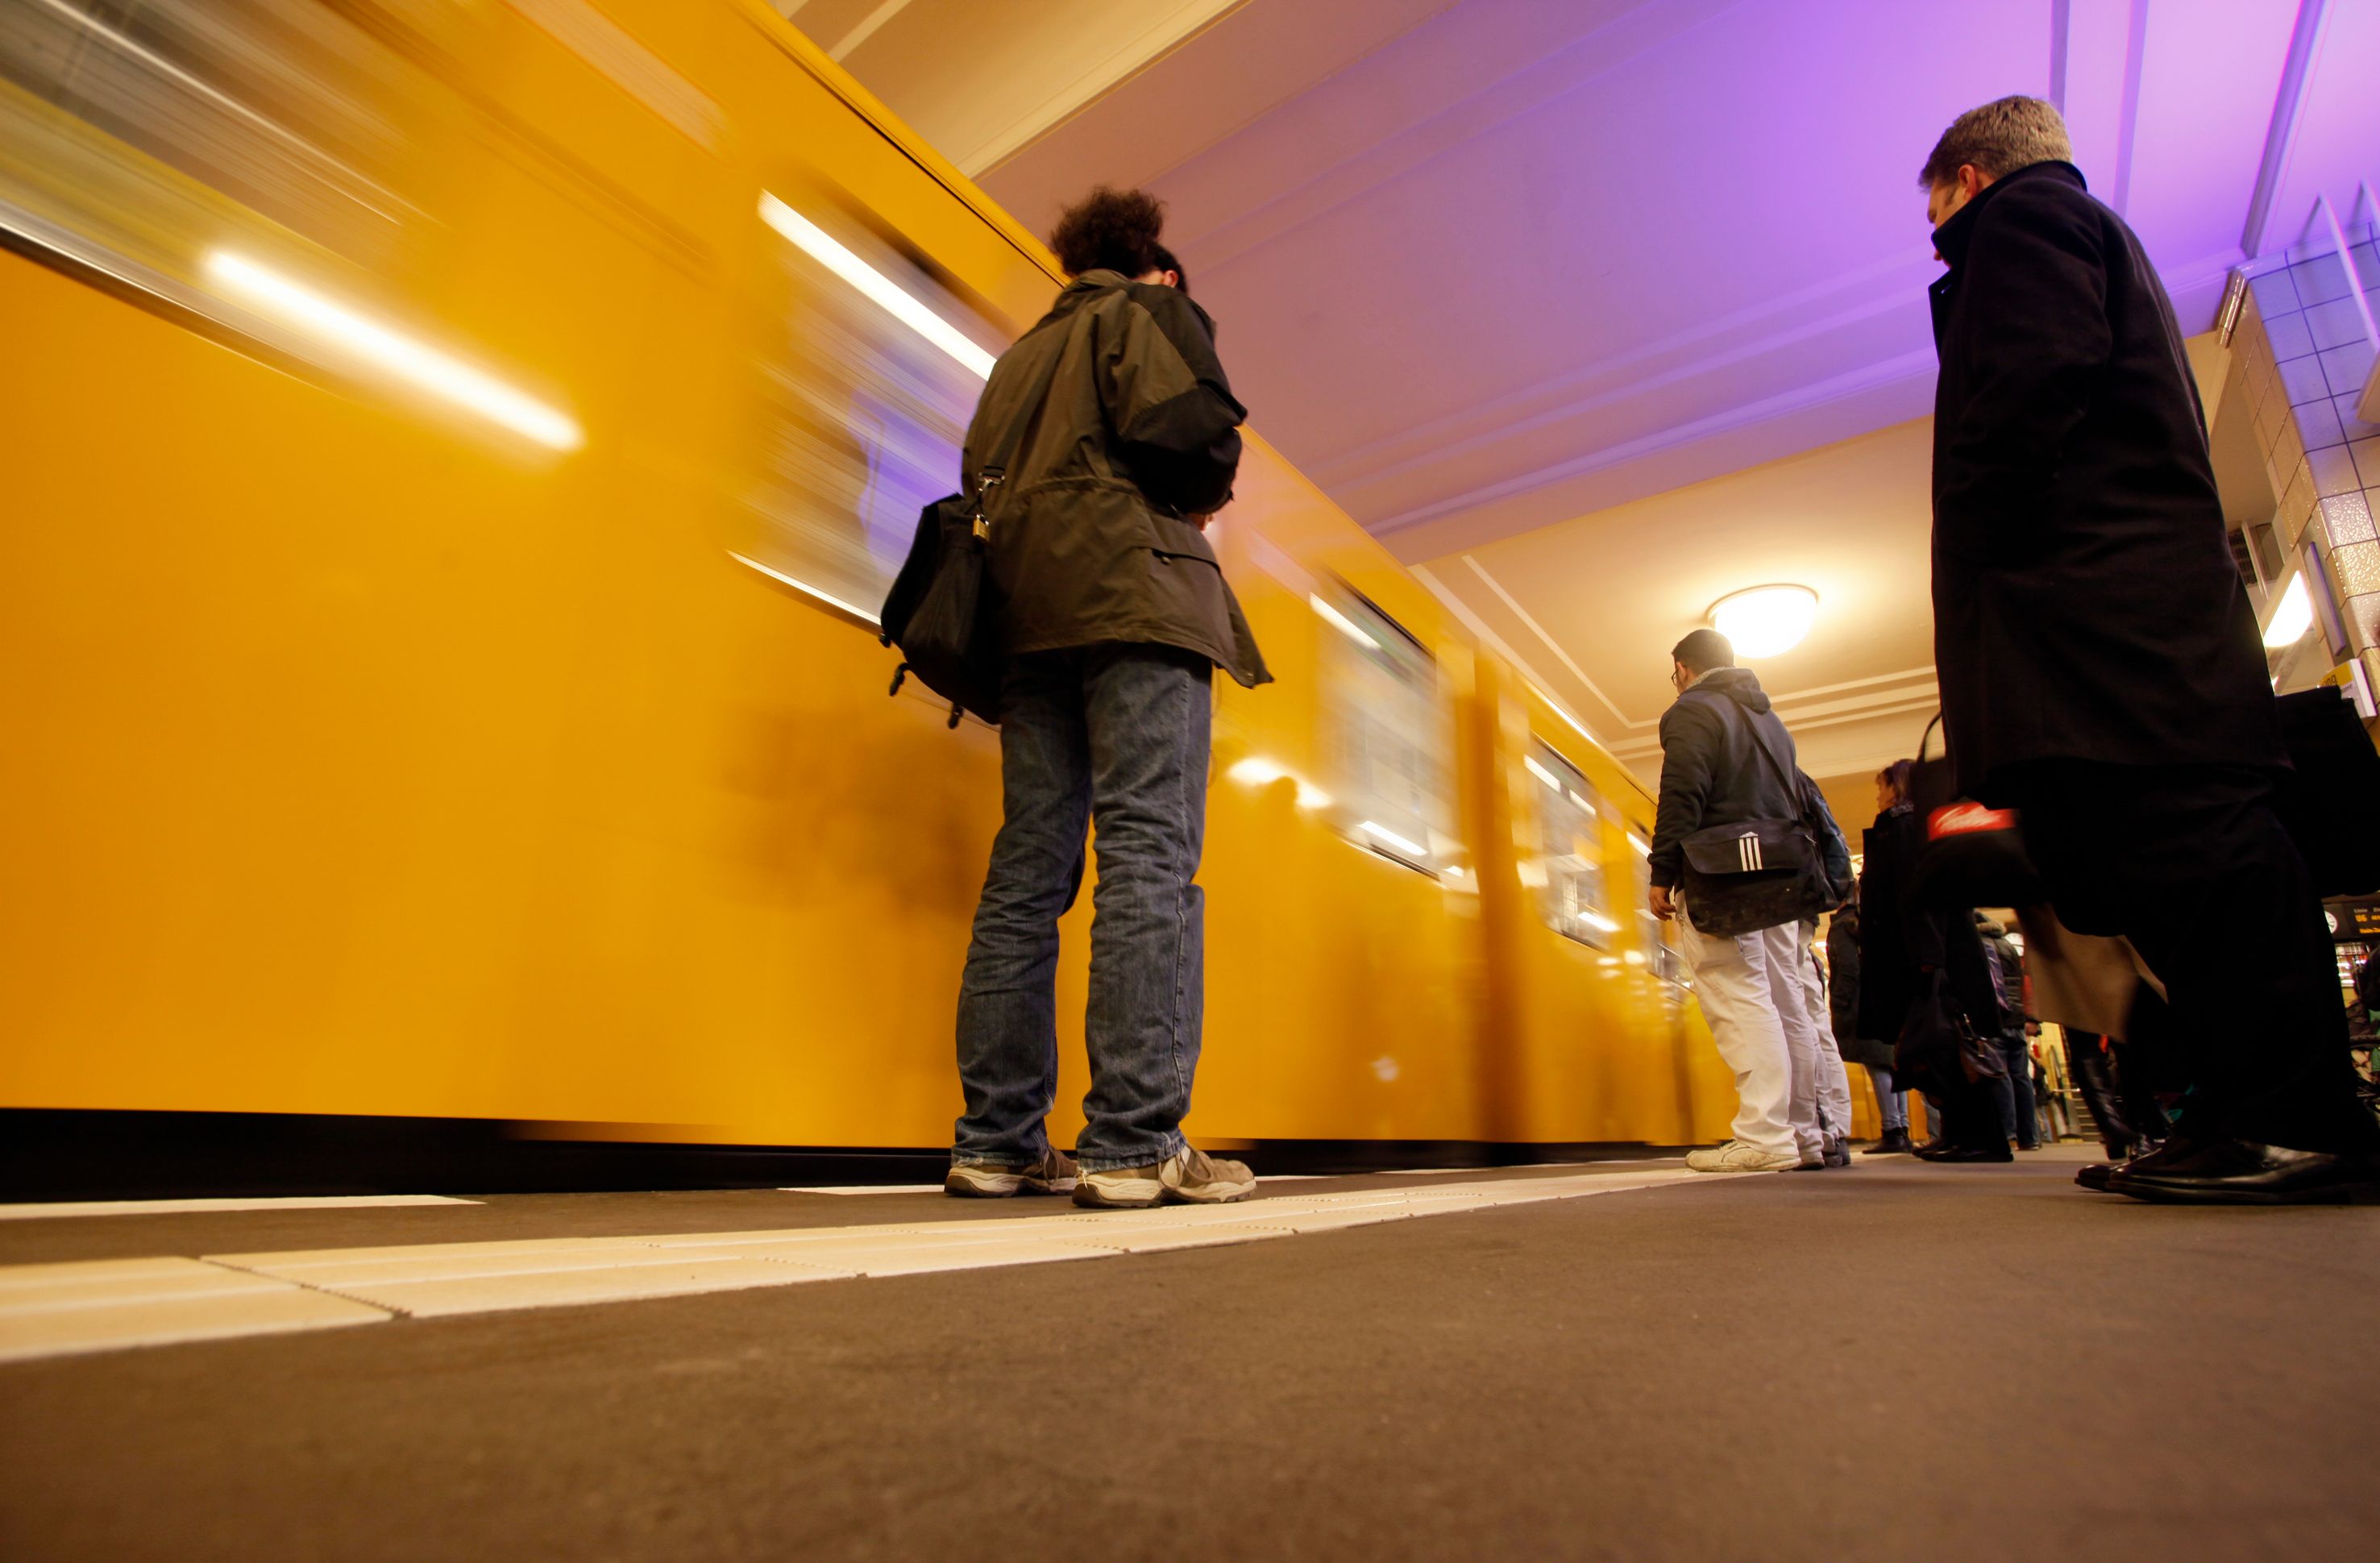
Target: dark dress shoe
[1934, 1150]
[1977, 1154]
[1894, 1143]
[2243, 1172]
[2098, 1174]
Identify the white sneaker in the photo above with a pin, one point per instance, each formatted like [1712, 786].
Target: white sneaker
[1737, 1156]
[1188, 1177]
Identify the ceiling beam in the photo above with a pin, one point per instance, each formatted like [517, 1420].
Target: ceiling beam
[2095, 50]
[2288, 107]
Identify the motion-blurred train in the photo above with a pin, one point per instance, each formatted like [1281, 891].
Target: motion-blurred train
[452, 450]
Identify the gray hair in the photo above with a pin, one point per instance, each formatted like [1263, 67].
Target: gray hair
[1999, 139]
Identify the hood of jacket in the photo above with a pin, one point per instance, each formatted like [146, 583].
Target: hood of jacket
[1099, 280]
[1739, 684]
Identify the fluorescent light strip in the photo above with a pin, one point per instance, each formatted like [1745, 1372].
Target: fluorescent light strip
[1340, 621]
[1643, 849]
[1383, 833]
[821, 246]
[2294, 617]
[804, 587]
[1542, 774]
[414, 363]
[1597, 920]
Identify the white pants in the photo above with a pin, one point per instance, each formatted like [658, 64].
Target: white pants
[1822, 1087]
[1746, 985]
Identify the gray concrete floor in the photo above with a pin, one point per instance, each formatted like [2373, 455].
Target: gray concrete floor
[1896, 1361]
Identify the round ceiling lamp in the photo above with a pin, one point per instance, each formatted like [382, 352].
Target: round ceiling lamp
[1764, 621]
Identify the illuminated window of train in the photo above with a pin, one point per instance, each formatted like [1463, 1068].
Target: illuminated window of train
[137, 138]
[1661, 955]
[1568, 868]
[239, 160]
[1390, 739]
[866, 389]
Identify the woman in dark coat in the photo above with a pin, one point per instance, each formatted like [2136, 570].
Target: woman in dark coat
[1857, 1048]
[1914, 963]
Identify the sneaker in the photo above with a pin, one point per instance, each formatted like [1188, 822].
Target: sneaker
[1188, 1177]
[1839, 1151]
[1053, 1174]
[1736, 1156]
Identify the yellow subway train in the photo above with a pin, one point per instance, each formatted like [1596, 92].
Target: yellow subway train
[451, 449]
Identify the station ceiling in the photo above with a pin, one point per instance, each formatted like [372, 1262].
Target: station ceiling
[1596, 310]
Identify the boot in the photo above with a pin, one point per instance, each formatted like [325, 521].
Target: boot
[1894, 1143]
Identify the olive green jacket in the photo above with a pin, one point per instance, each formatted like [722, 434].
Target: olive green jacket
[1089, 540]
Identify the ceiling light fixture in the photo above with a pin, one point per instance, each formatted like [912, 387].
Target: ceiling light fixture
[1764, 621]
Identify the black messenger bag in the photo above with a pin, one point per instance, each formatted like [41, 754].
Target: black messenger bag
[1757, 873]
[940, 610]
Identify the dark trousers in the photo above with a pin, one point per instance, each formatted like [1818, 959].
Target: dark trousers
[2012, 1093]
[2093, 1073]
[2192, 865]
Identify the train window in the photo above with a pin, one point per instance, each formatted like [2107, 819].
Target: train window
[1568, 868]
[867, 386]
[238, 160]
[1660, 953]
[138, 137]
[1390, 739]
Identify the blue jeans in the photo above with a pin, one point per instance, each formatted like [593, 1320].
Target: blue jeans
[1119, 734]
[2012, 1093]
[1891, 1106]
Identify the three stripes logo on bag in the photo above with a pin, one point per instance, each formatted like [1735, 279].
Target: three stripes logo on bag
[1747, 847]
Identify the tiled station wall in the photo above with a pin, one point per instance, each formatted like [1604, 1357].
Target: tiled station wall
[2309, 350]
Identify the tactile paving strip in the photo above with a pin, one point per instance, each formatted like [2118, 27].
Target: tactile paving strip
[48, 1310]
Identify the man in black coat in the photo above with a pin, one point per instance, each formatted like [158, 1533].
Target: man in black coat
[2099, 662]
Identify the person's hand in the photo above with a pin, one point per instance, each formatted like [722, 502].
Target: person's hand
[1664, 906]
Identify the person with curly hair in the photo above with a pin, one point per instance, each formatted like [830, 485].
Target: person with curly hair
[1114, 614]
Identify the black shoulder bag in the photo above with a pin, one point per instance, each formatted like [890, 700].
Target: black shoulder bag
[1973, 856]
[1757, 873]
[938, 611]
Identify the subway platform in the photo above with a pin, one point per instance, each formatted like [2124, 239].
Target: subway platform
[1616, 1360]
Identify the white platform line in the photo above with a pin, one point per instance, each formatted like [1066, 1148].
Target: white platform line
[177, 1207]
[54, 1310]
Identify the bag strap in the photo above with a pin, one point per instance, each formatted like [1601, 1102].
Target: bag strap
[1004, 449]
[1777, 766]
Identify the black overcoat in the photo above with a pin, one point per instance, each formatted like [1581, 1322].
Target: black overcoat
[2085, 603]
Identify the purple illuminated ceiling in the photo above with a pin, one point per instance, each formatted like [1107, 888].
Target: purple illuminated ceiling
[1517, 261]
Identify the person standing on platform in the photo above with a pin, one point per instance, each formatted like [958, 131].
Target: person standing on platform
[2020, 1120]
[1875, 1056]
[1749, 985]
[1125, 436]
[2099, 663]
[1922, 972]
[1822, 1094]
